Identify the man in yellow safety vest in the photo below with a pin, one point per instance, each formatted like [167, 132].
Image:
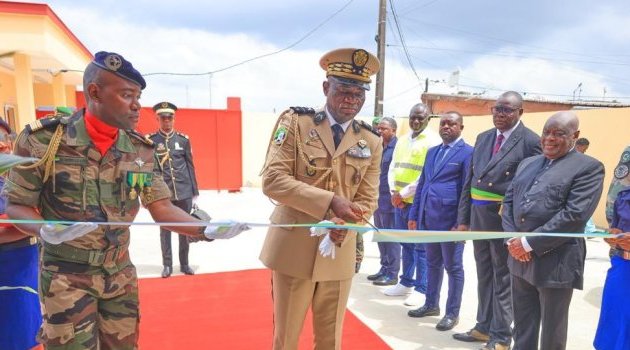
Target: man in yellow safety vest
[404, 171]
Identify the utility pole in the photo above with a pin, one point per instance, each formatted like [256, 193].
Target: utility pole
[380, 76]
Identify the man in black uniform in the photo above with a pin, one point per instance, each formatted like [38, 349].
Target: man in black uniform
[173, 151]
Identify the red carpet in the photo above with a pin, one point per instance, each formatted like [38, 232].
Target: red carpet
[229, 310]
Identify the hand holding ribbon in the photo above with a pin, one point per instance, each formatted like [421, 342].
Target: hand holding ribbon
[57, 234]
[224, 229]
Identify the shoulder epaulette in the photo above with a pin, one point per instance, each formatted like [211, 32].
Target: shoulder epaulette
[303, 110]
[136, 135]
[150, 135]
[183, 135]
[368, 126]
[39, 124]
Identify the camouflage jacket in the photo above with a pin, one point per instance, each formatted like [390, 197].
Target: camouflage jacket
[83, 185]
[620, 182]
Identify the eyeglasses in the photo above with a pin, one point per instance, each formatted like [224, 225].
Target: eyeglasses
[503, 110]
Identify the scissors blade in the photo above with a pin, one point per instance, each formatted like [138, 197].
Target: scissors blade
[369, 224]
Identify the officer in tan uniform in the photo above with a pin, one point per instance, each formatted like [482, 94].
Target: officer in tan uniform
[320, 165]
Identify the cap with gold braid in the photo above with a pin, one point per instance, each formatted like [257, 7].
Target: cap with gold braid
[164, 107]
[350, 66]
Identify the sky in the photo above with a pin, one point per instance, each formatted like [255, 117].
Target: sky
[550, 50]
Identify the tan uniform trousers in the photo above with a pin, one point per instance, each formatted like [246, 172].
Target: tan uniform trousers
[291, 299]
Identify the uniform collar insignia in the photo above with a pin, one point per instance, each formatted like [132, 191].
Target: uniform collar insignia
[319, 117]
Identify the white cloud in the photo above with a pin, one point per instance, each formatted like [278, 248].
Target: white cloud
[293, 77]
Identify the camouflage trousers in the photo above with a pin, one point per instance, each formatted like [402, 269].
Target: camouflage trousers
[360, 252]
[83, 311]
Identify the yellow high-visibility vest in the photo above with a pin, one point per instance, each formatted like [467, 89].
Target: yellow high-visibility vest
[408, 160]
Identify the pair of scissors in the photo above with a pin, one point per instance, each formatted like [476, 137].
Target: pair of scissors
[369, 223]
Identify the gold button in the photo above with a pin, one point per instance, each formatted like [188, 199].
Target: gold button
[490, 184]
[335, 161]
[522, 219]
[507, 173]
[478, 181]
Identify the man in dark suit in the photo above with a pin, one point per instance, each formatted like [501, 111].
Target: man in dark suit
[497, 153]
[384, 214]
[554, 192]
[435, 208]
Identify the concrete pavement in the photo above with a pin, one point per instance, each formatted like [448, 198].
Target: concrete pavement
[387, 316]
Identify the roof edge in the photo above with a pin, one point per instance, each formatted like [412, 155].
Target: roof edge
[43, 10]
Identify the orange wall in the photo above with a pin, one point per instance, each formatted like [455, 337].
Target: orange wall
[215, 136]
[482, 107]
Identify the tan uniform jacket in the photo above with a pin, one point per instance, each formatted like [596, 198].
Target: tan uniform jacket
[304, 191]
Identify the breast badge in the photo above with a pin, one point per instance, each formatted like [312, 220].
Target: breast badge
[360, 150]
[140, 184]
[621, 171]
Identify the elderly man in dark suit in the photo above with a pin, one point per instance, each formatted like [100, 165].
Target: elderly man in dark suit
[435, 208]
[554, 192]
[497, 153]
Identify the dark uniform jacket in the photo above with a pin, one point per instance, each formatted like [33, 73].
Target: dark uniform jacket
[494, 173]
[175, 159]
[559, 197]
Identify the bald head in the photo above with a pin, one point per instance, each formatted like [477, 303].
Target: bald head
[418, 118]
[566, 119]
[419, 107]
[559, 134]
[513, 96]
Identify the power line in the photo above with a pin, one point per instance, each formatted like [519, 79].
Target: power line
[515, 55]
[491, 38]
[309, 33]
[413, 8]
[402, 39]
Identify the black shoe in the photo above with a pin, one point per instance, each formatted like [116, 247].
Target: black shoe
[186, 270]
[471, 336]
[424, 311]
[447, 323]
[385, 281]
[375, 276]
[167, 271]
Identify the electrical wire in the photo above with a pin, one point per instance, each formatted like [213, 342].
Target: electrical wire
[309, 33]
[402, 39]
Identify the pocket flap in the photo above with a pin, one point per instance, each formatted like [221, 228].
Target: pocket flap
[57, 334]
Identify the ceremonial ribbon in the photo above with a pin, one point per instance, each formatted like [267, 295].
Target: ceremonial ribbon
[26, 288]
[382, 235]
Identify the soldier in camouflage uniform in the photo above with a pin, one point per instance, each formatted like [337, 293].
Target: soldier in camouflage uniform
[88, 284]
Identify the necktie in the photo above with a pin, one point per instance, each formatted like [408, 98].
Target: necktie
[440, 155]
[497, 144]
[337, 134]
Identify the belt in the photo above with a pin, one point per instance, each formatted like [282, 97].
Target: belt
[625, 255]
[20, 243]
[93, 257]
